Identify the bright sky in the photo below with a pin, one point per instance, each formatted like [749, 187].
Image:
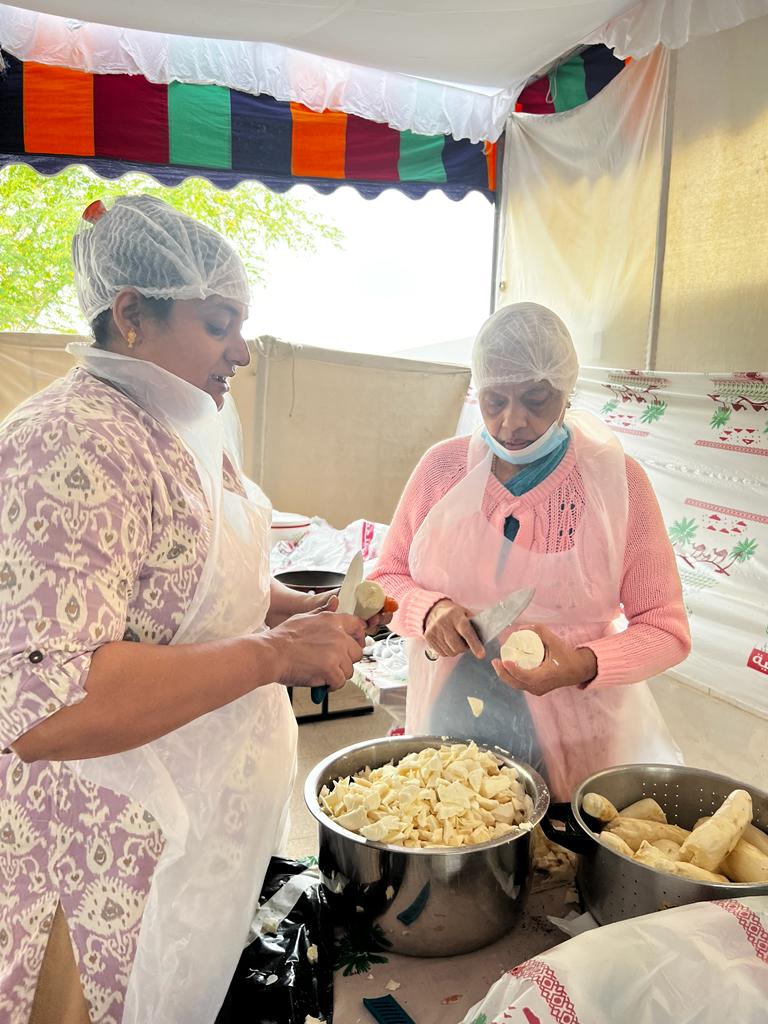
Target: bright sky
[410, 273]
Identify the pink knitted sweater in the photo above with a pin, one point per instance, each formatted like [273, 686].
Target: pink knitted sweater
[657, 637]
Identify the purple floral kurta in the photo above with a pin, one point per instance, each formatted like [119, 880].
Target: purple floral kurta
[103, 534]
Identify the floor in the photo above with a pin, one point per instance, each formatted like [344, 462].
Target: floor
[316, 741]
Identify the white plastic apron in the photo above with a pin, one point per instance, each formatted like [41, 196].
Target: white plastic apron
[458, 552]
[218, 787]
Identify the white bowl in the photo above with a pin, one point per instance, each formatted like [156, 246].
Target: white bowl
[288, 527]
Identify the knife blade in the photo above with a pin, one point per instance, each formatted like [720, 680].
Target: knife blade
[492, 621]
[489, 623]
[347, 603]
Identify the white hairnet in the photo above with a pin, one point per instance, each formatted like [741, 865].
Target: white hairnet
[143, 243]
[524, 342]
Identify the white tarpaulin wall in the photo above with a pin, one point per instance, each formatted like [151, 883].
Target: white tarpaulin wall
[331, 434]
[337, 434]
[703, 440]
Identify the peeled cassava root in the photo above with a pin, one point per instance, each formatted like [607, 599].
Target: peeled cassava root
[722, 848]
[748, 860]
[709, 844]
[370, 600]
[523, 648]
[654, 858]
[636, 831]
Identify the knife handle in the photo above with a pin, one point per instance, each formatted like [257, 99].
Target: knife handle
[319, 693]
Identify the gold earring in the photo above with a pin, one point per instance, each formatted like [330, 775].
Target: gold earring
[131, 338]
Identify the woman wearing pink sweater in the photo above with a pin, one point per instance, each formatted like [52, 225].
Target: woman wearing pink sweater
[540, 497]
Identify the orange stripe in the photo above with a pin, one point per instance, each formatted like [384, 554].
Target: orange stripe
[319, 143]
[58, 110]
[490, 155]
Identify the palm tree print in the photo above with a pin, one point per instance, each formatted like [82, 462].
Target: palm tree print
[719, 418]
[610, 406]
[744, 550]
[653, 412]
[683, 531]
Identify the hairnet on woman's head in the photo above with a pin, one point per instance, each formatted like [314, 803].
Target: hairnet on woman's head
[524, 342]
[143, 243]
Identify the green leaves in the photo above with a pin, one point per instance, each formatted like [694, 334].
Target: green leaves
[652, 412]
[39, 215]
[683, 531]
[360, 946]
[744, 549]
[720, 417]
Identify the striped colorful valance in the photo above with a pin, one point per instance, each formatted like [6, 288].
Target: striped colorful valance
[51, 117]
[570, 83]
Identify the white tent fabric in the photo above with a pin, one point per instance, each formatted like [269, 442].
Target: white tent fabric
[388, 62]
[580, 201]
[637, 216]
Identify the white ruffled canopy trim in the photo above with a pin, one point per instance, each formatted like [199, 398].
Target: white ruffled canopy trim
[403, 101]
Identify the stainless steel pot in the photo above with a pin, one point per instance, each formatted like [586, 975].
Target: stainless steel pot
[612, 886]
[430, 902]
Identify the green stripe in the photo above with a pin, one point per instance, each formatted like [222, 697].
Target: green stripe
[568, 85]
[199, 125]
[421, 157]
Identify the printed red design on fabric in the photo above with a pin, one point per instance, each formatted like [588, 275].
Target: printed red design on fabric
[367, 539]
[552, 992]
[756, 934]
[758, 660]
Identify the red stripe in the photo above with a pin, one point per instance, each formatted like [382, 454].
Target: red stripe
[372, 151]
[130, 119]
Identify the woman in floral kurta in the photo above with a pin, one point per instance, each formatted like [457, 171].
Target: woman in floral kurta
[104, 533]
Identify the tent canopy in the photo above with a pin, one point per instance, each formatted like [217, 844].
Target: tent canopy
[402, 64]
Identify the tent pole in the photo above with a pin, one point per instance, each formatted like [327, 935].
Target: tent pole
[651, 351]
[497, 223]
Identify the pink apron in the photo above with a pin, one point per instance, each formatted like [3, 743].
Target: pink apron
[570, 732]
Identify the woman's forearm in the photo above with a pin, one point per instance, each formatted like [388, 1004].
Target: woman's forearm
[284, 602]
[136, 693]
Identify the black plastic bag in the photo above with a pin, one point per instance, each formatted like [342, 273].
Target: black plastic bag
[276, 980]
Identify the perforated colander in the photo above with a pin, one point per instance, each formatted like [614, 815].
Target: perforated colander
[615, 888]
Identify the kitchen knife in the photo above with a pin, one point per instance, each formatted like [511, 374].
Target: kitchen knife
[347, 604]
[489, 623]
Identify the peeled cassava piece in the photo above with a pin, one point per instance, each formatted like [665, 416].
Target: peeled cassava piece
[653, 858]
[668, 848]
[709, 844]
[613, 842]
[636, 831]
[599, 807]
[745, 863]
[646, 809]
[370, 600]
[523, 648]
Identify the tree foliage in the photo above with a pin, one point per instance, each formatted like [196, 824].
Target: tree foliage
[39, 215]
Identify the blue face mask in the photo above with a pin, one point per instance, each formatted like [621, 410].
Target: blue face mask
[551, 438]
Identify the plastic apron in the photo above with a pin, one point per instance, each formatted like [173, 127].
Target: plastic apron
[570, 732]
[218, 787]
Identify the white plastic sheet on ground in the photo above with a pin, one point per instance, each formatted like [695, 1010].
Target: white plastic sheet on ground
[693, 965]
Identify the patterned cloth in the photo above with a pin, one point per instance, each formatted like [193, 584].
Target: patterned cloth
[103, 534]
